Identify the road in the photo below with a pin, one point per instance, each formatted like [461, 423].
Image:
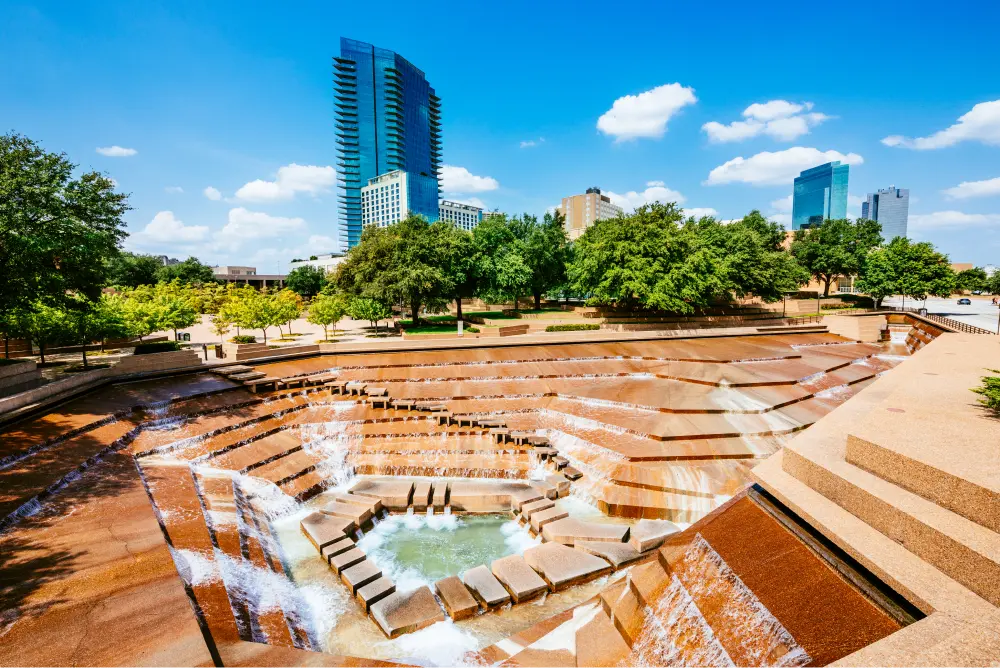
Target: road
[981, 313]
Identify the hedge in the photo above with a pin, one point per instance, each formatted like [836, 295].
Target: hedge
[571, 328]
[157, 347]
[243, 338]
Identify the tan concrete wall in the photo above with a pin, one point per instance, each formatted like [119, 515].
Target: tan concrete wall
[857, 328]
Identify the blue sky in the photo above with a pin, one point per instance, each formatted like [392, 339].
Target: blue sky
[539, 101]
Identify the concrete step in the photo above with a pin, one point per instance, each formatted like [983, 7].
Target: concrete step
[964, 550]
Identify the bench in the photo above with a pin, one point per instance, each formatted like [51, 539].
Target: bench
[382, 402]
[502, 434]
[520, 437]
[444, 419]
[337, 386]
[404, 404]
[376, 391]
[289, 382]
[319, 378]
[355, 388]
[539, 441]
[256, 382]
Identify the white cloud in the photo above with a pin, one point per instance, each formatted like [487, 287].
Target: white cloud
[116, 151]
[952, 219]
[699, 211]
[244, 225]
[531, 143]
[460, 180]
[174, 190]
[212, 194]
[290, 179]
[784, 205]
[167, 229]
[656, 191]
[967, 189]
[982, 124]
[782, 218]
[777, 119]
[645, 114]
[775, 168]
[321, 243]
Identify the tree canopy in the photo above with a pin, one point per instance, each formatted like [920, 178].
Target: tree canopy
[133, 269]
[835, 248]
[190, 270]
[911, 269]
[306, 280]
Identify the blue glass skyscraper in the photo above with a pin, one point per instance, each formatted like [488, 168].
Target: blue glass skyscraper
[820, 194]
[388, 118]
[891, 208]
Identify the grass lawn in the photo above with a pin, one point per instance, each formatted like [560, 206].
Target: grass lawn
[435, 324]
[500, 315]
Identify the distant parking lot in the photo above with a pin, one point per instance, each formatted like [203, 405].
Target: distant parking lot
[980, 313]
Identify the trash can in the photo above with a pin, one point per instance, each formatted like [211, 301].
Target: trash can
[923, 311]
[218, 351]
[186, 336]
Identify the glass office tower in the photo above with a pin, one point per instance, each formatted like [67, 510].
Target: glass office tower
[388, 119]
[891, 208]
[820, 194]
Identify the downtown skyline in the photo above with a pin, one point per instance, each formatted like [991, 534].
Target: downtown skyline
[221, 123]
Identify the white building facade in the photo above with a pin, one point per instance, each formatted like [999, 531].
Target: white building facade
[384, 200]
[465, 216]
[327, 262]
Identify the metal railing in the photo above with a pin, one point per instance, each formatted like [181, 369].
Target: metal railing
[942, 320]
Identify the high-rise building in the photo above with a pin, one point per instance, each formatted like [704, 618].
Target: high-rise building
[465, 216]
[386, 199]
[889, 207]
[388, 119]
[820, 194]
[582, 211]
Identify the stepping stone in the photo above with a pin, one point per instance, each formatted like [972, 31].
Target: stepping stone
[563, 566]
[346, 559]
[485, 587]
[440, 499]
[546, 452]
[376, 391]
[569, 530]
[336, 547]
[397, 613]
[479, 497]
[355, 387]
[336, 386]
[421, 495]
[528, 509]
[394, 494]
[520, 437]
[461, 420]
[230, 370]
[325, 529]
[559, 482]
[538, 441]
[375, 591]
[404, 404]
[247, 375]
[617, 554]
[522, 497]
[546, 489]
[257, 382]
[560, 462]
[444, 419]
[373, 505]
[501, 434]
[382, 402]
[358, 513]
[572, 473]
[648, 534]
[458, 601]
[359, 575]
[518, 578]
[543, 517]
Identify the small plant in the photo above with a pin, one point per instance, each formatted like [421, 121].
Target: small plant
[473, 330]
[990, 391]
[573, 327]
[157, 347]
[244, 338]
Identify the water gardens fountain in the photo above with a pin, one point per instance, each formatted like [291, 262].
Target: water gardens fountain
[540, 505]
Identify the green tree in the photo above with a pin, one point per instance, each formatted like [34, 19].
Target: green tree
[257, 310]
[13, 325]
[173, 312]
[920, 269]
[372, 310]
[993, 283]
[56, 232]
[48, 325]
[878, 276]
[546, 253]
[133, 269]
[971, 279]
[651, 259]
[289, 305]
[190, 270]
[459, 260]
[399, 263]
[141, 318]
[327, 310]
[835, 248]
[501, 245]
[306, 280]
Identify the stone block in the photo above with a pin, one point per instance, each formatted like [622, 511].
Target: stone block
[394, 494]
[479, 497]
[569, 530]
[598, 642]
[649, 534]
[322, 529]
[337, 547]
[524, 496]
[543, 517]
[359, 575]
[359, 514]
[458, 601]
[518, 578]
[421, 495]
[563, 566]
[440, 498]
[618, 555]
[397, 613]
[485, 587]
[373, 505]
[528, 509]
[346, 559]
[375, 591]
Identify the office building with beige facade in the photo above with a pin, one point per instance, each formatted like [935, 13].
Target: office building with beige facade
[582, 211]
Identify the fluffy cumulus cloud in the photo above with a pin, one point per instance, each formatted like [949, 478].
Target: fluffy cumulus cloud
[645, 114]
[981, 124]
[967, 189]
[775, 168]
[656, 191]
[778, 119]
[952, 220]
[531, 143]
[290, 179]
[212, 193]
[116, 151]
[166, 229]
[699, 211]
[460, 180]
[244, 225]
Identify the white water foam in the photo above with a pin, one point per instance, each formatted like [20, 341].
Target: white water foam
[440, 644]
[517, 537]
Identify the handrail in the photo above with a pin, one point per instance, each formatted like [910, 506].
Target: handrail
[942, 320]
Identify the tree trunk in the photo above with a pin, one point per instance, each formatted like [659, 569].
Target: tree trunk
[538, 301]
[415, 310]
[84, 354]
[264, 329]
[458, 307]
[41, 351]
[826, 286]
[516, 298]
[102, 343]
[6, 347]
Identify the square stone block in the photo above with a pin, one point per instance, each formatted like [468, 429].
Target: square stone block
[648, 534]
[518, 578]
[346, 559]
[359, 575]
[543, 517]
[337, 547]
[528, 509]
[322, 529]
[485, 587]
[563, 566]
[397, 613]
[375, 591]
[457, 599]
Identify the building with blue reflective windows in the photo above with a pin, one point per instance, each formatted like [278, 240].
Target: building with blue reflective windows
[890, 208]
[820, 194]
[388, 119]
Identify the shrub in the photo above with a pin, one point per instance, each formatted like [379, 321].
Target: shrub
[990, 392]
[157, 347]
[573, 327]
[244, 338]
[837, 307]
